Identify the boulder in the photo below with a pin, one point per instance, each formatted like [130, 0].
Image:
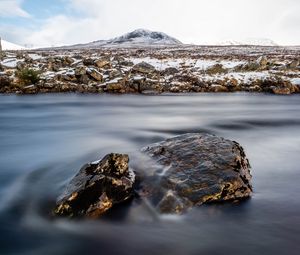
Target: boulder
[97, 187]
[114, 74]
[103, 63]
[194, 169]
[143, 67]
[88, 61]
[262, 62]
[80, 70]
[218, 88]
[115, 86]
[95, 74]
[170, 71]
[68, 61]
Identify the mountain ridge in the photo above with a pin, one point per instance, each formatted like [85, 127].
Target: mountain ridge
[138, 37]
[249, 41]
[10, 46]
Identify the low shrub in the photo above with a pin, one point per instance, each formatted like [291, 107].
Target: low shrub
[28, 76]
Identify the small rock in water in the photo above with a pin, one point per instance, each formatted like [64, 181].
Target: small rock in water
[97, 187]
[196, 169]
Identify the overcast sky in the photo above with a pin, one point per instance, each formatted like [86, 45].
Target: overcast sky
[60, 22]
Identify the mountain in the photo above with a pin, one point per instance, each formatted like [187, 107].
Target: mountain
[10, 46]
[142, 36]
[250, 41]
[139, 37]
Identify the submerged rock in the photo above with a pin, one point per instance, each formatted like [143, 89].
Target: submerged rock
[97, 187]
[193, 169]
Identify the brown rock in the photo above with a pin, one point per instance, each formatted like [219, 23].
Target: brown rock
[95, 74]
[194, 169]
[97, 187]
[102, 63]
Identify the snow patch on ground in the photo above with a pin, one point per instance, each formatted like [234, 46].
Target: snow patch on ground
[295, 81]
[11, 62]
[202, 64]
[245, 78]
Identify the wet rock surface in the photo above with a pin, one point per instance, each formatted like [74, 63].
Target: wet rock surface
[194, 169]
[97, 187]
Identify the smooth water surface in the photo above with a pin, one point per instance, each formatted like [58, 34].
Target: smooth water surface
[45, 139]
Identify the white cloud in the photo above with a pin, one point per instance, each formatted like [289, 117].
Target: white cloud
[191, 21]
[12, 8]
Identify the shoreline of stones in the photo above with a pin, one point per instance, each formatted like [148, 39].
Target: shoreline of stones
[113, 71]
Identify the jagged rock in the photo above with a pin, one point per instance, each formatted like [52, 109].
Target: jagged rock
[126, 63]
[251, 66]
[262, 62]
[95, 74]
[84, 79]
[170, 71]
[194, 169]
[68, 61]
[116, 86]
[97, 187]
[80, 70]
[67, 77]
[102, 63]
[88, 61]
[115, 73]
[143, 67]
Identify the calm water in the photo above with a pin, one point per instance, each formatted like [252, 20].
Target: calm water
[45, 139]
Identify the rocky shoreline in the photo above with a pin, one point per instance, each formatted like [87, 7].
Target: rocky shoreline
[273, 70]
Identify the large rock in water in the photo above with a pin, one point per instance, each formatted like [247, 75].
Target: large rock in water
[193, 169]
[97, 187]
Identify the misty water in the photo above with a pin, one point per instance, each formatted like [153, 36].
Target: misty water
[45, 139]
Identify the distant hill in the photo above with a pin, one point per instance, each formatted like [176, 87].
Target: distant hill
[10, 46]
[139, 37]
[250, 41]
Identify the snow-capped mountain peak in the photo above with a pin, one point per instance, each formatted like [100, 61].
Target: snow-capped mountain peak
[144, 36]
[10, 46]
[138, 37]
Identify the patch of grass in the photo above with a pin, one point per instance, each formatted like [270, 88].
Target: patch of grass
[28, 76]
